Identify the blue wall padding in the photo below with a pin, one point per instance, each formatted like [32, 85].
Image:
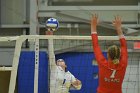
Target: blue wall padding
[26, 73]
[79, 64]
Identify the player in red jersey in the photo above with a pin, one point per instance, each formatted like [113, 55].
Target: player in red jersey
[111, 70]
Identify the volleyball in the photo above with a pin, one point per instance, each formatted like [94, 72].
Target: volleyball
[52, 23]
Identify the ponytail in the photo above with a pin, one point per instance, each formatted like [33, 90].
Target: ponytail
[115, 61]
[114, 54]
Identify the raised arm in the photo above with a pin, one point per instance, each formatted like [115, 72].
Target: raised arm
[97, 51]
[124, 53]
[53, 67]
[51, 52]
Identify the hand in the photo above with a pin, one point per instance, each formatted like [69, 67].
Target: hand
[76, 83]
[118, 23]
[94, 22]
[49, 33]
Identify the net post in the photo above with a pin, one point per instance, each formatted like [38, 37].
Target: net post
[15, 65]
[36, 69]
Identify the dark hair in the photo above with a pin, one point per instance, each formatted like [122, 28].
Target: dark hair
[59, 60]
[114, 53]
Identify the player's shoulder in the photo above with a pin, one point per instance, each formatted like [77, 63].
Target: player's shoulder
[118, 67]
[69, 73]
[104, 64]
[58, 69]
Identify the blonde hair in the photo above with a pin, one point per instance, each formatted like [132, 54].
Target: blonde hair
[115, 61]
[114, 53]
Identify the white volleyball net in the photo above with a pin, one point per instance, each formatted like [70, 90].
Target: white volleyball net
[79, 56]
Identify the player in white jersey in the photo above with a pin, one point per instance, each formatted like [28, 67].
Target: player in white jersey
[62, 80]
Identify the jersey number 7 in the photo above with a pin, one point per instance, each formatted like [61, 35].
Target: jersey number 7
[113, 74]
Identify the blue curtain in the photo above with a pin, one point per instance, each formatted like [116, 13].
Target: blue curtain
[26, 73]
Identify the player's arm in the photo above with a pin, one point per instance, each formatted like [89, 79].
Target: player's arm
[76, 83]
[50, 42]
[124, 53]
[52, 25]
[53, 66]
[97, 51]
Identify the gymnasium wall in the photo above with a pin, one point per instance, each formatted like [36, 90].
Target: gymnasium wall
[13, 11]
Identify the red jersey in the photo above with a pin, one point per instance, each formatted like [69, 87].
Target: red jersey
[110, 76]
